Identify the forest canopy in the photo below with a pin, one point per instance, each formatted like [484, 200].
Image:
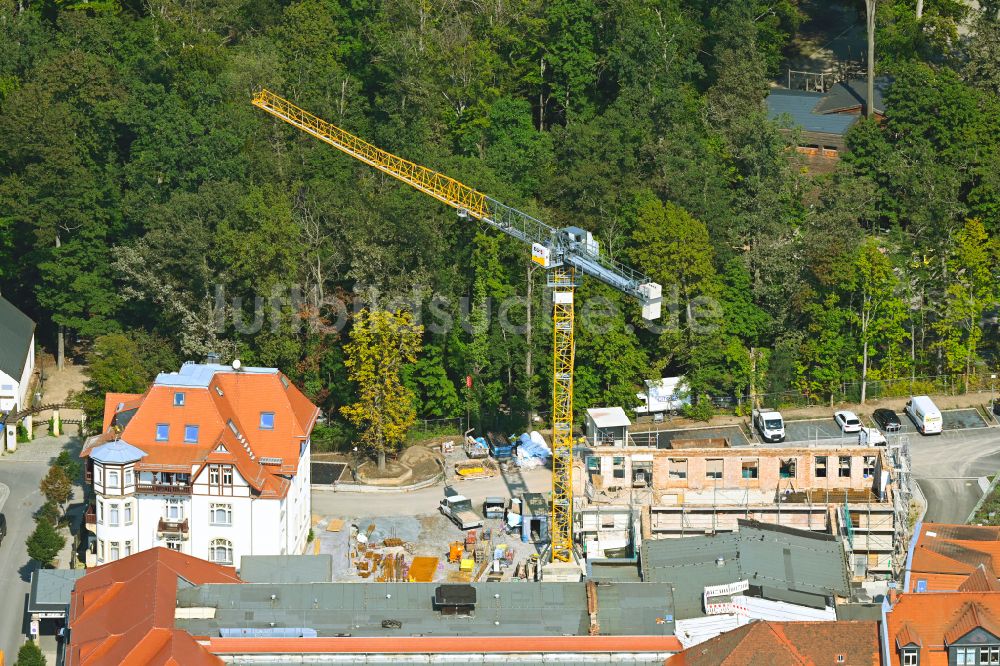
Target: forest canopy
[146, 205]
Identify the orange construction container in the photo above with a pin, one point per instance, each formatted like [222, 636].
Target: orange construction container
[456, 551]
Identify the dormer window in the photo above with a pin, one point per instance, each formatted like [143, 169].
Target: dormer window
[190, 434]
[179, 399]
[910, 657]
[989, 655]
[965, 656]
[162, 432]
[267, 420]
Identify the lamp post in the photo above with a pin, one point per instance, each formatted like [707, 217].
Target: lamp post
[993, 401]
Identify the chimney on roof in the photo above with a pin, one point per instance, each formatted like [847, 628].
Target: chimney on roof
[212, 358]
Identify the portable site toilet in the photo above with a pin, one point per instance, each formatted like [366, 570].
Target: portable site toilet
[535, 516]
[607, 426]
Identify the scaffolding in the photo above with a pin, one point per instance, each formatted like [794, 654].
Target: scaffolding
[899, 457]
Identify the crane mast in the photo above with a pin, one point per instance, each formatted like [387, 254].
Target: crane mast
[565, 252]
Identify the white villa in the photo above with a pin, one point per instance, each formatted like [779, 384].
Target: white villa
[211, 461]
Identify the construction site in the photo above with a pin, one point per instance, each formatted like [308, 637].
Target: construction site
[673, 488]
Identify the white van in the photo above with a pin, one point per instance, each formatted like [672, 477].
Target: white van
[924, 415]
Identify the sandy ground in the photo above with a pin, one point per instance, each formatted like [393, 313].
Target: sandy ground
[56, 386]
[424, 535]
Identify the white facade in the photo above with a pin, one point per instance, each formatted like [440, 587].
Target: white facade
[216, 516]
[14, 390]
[14, 393]
[212, 461]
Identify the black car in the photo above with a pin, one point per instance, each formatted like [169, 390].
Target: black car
[887, 420]
[3, 527]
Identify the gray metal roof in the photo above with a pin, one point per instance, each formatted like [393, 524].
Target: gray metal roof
[16, 331]
[502, 609]
[615, 570]
[784, 564]
[852, 94]
[286, 568]
[868, 611]
[199, 375]
[118, 452]
[689, 564]
[799, 106]
[51, 589]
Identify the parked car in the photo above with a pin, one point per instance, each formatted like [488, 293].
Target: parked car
[887, 420]
[848, 421]
[3, 527]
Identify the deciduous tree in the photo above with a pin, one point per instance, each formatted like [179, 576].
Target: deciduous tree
[380, 344]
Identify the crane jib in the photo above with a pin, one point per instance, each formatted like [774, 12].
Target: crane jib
[560, 248]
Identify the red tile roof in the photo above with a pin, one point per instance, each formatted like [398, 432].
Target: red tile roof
[113, 400]
[123, 613]
[936, 618]
[231, 397]
[982, 579]
[444, 644]
[787, 644]
[946, 555]
[972, 615]
[908, 635]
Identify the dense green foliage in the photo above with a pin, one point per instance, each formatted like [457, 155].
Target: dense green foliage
[45, 542]
[145, 204]
[30, 655]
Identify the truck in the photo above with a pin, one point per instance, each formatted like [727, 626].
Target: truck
[769, 424]
[500, 446]
[668, 395]
[458, 508]
[871, 437]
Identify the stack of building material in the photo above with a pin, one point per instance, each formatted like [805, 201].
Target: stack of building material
[532, 450]
[422, 569]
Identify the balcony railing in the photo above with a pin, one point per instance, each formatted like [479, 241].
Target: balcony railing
[164, 488]
[172, 528]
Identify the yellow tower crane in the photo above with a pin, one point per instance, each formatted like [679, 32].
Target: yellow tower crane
[565, 252]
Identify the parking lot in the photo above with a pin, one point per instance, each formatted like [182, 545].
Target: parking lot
[819, 430]
[662, 438]
[828, 432]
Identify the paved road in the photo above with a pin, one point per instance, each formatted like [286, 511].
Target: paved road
[20, 474]
[949, 467]
[15, 567]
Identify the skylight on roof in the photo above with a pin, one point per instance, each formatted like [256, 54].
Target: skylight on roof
[267, 420]
[179, 399]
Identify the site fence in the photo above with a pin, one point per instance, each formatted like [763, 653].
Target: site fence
[426, 428]
[850, 392]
